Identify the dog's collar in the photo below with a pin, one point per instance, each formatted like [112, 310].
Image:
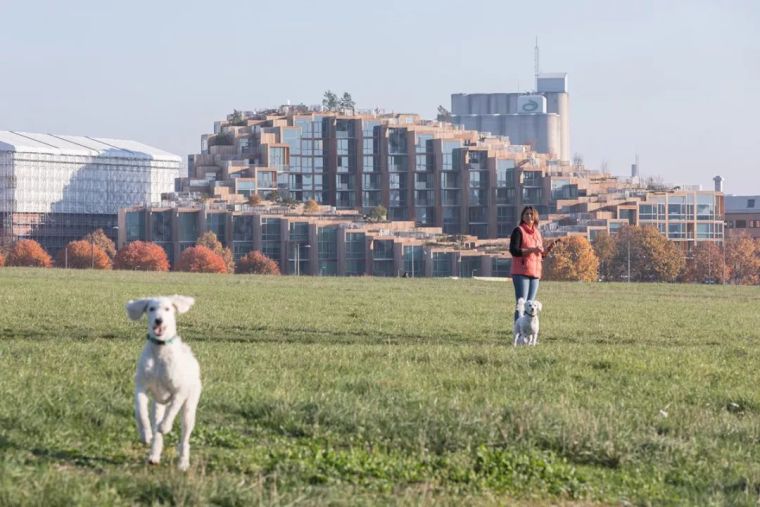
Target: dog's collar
[160, 342]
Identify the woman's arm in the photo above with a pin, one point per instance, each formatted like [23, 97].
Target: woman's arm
[514, 243]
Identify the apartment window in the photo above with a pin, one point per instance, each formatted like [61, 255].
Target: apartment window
[750, 203]
[741, 224]
[217, 223]
[442, 263]
[135, 226]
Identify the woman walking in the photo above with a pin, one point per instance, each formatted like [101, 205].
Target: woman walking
[528, 252]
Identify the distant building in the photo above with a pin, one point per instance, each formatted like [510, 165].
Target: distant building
[55, 189]
[743, 215]
[433, 174]
[539, 119]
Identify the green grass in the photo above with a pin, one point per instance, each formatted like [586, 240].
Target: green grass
[385, 391]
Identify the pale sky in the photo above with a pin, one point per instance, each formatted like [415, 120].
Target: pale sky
[677, 82]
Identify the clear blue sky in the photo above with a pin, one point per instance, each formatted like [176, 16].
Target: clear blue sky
[677, 82]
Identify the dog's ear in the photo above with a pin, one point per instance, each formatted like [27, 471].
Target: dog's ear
[136, 307]
[182, 303]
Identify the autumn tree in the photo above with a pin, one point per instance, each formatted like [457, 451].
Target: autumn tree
[257, 263]
[604, 248]
[572, 259]
[743, 259]
[100, 239]
[210, 241]
[378, 213]
[141, 256]
[2, 260]
[82, 254]
[255, 199]
[29, 253]
[200, 259]
[311, 206]
[707, 264]
[652, 257]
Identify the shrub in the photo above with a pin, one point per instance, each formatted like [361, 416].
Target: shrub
[378, 213]
[29, 253]
[100, 239]
[653, 258]
[257, 263]
[199, 259]
[311, 206]
[742, 259]
[210, 241]
[2, 260]
[83, 255]
[142, 256]
[572, 259]
[707, 264]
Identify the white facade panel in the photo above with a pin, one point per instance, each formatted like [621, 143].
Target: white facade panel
[41, 173]
[531, 104]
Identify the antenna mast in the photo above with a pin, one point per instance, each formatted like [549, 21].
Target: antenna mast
[535, 62]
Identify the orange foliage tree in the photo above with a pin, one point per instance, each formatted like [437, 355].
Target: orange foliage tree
[142, 256]
[27, 252]
[707, 264]
[200, 259]
[210, 241]
[604, 248]
[653, 258]
[2, 260]
[572, 259]
[104, 242]
[257, 263]
[743, 259]
[83, 255]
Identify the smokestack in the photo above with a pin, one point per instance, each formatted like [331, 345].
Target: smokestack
[718, 183]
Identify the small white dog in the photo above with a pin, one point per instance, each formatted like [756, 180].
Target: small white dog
[526, 325]
[169, 373]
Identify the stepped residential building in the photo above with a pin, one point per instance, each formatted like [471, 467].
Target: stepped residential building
[55, 189]
[431, 173]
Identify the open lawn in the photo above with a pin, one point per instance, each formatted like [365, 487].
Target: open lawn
[385, 391]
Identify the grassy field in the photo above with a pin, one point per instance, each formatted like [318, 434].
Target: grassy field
[385, 391]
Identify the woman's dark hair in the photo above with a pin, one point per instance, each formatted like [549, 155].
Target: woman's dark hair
[533, 211]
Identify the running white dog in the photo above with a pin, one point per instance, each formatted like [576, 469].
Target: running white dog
[526, 325]
[169, 373]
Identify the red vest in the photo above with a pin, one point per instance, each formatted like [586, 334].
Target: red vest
[528, 264]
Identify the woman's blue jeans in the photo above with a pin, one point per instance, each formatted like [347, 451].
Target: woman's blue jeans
[525, 287]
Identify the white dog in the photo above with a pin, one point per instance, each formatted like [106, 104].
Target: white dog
[526, 325]
[169, 373]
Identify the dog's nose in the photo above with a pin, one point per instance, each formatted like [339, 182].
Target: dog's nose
[158, 321]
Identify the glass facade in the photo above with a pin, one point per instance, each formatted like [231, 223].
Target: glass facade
[328, 251]
[355, 253]
[382, 258]
[414, 260]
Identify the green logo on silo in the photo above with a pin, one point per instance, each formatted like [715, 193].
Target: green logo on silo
[530, 106]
